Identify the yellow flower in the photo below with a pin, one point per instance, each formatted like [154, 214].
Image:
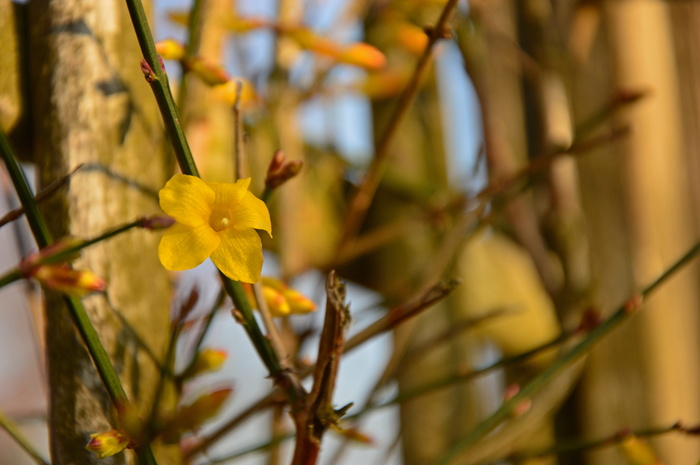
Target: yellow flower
[216, 220]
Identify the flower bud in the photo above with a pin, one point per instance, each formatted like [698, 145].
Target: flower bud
[108, 443]
[157, 222]
[286, 172]
[206, 360]
[170, 49]
[63, 278]
[362, 55]
[298, 302]
[637, 451]
[276, 302]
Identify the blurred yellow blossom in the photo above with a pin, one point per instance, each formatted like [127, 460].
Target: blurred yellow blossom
[216, 220]
[282, 300]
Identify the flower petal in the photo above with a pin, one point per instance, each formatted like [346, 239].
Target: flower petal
[229, 194]
[188, 199]
[251, 212]
[239, 256]
[184, 247]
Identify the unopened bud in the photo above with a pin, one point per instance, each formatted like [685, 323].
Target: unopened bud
[206, 360]
[170, 49]
[147, 71]
[363, 55]
[276, 302]
[287, 171]
[63, 278]
[298, 302]
[157, 222]
[108, 443]
[276, 163]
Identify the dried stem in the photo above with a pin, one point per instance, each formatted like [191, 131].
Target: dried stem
[316, 414]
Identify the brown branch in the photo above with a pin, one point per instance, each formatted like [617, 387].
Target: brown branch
[316, 414]
[395, 316]
[363, 197]
[45, 193]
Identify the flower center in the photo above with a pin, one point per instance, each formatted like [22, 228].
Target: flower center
[219, 223]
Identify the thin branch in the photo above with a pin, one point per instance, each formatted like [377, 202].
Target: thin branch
[13, 431]
[87, 331]
[363, 197]
[387, 322]
[536, 384]
[579, 445]
[315, 414]
[42, 195]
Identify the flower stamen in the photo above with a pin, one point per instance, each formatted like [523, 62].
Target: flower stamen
[221, 224]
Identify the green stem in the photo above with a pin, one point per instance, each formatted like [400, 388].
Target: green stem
[67, 254]
[11, 429]
[167, 368]
[598, 333]
[43, 238]
[10, 277]
[235, 290]
[161, 89]
[184, 157]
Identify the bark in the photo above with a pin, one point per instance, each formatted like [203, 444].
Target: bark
[91, 105]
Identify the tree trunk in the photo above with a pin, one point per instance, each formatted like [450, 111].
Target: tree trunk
[91, 105]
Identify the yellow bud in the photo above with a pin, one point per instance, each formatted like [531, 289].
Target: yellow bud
[309, 40]
[298, 302]
[384, 84]
[276, 302]
[638, 452]
[64, 279]
[108, 443]
[170, 49]
[206, 360]
[228, 92]
[363, 55]
[412, 38]
[192, 416]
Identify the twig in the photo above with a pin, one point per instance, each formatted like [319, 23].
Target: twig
[400, 313]
[42, 195]
[272, 332]
[161, 90]
[238, 133]
[577, 445]
[542, 379]
[14, 432]
[156, 76]
[87, 331]
[363, 197]
[315, 414]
